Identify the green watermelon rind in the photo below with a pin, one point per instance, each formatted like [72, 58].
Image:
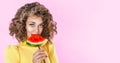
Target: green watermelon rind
[36, 44]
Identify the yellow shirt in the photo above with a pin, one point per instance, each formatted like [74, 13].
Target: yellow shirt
[23, 53]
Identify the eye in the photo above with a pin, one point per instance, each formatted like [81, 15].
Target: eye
[32, 25]
[41, 25]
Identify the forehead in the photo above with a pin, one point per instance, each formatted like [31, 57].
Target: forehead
[35, 19]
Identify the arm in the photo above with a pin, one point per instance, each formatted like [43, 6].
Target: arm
[52, 54]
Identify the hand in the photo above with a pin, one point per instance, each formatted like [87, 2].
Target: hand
[39, 55]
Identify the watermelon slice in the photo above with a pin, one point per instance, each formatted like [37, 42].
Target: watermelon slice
[36, 40]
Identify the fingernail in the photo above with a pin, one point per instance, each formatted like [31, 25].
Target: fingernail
[46, 56]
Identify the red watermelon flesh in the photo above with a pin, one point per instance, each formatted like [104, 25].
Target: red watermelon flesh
[36, 40]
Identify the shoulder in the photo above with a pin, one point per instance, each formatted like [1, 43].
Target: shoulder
[11, 49]
[52, 53]
[51, 44]
[11, 54]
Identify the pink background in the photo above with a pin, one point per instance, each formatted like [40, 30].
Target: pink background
[88, 30]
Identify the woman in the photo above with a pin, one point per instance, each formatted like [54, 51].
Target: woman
[32, 18]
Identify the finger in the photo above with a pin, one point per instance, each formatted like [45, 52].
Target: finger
[41, 58]
[43, 55]
[38, 52]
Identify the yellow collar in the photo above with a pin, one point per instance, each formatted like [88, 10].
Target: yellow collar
[23, 43]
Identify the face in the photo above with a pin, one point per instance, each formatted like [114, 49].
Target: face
[34, 25]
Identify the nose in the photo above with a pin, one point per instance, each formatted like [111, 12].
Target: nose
[36, 30]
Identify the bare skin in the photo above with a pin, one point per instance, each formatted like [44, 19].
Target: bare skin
[34, 26]
[39, 55]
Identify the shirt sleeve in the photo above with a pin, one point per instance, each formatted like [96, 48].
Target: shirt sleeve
[11, 54]
[52, 54]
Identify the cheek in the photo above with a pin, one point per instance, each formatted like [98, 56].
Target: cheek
[29, 31]
[40, 31]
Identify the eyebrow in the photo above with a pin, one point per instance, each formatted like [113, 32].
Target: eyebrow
[34, 23]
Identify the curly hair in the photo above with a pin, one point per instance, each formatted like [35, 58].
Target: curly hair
[18, 24]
